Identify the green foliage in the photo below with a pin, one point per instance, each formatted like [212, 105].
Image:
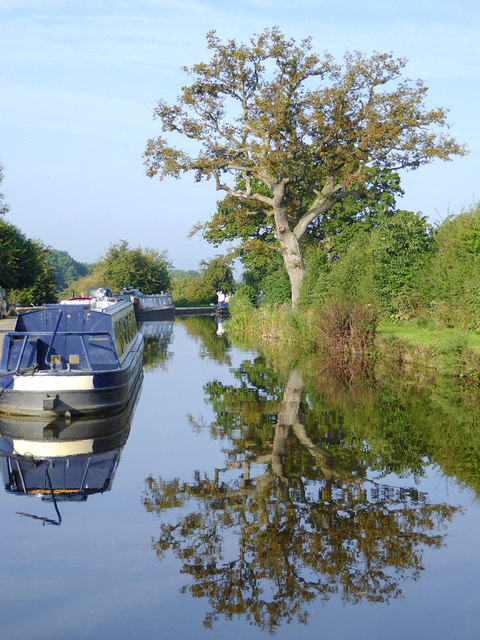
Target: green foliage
[180, 273]
[448, 284]
[144, 269]
[402, 268]
[331, 235]
[25, 271]
[215, 274]
[245, 295]
[315, 285]
[276, 287]
[4, 208]
[18, 258]
[358, 212]
[399, 248]
[66, 269]
[379, 268]
[352, 276]
[241, 306]
[471, 319]
[248, 222]
[178, 285]
[236, 218]
[42, 288]
[196, 293]
[81, 286]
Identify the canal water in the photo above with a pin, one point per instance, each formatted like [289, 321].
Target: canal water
[240, 497]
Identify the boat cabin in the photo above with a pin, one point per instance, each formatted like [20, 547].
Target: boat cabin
[72, 337]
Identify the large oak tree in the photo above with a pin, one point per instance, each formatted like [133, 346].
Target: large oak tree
[275, 112]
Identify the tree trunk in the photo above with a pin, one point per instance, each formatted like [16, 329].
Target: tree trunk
[289, 246]
[293, 261]
[287, 416]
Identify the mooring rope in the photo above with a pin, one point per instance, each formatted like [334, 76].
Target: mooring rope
[20, 372]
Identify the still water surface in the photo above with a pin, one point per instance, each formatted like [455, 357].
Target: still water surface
[235, 498]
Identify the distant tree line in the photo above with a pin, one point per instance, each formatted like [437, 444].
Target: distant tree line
[66, 269]
[201, 287]
[32, 273]
[24, 269]
[145, 269]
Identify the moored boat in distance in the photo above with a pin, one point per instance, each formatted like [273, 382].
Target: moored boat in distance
[79, 357]
[222, 310]
[158, 306]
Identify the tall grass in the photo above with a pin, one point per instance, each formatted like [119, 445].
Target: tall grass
[346, 336]
[266, 325]
[343, 332]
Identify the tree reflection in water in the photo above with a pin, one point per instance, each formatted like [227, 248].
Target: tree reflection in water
[291, 517]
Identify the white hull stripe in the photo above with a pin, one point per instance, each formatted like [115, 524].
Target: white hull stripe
[52, 449]
[52, 383]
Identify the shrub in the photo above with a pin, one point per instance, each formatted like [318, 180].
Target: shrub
[315, 283]
[245, 294]
[276, 287]
[347, 337]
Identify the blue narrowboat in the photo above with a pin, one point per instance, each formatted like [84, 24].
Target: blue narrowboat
[158, 306]
[83, 357]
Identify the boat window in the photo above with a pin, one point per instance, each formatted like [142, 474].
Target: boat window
[100, 352]
[22, 354]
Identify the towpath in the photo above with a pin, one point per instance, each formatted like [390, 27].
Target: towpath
[5, 326]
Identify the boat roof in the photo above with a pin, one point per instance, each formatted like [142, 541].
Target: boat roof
[70, 317]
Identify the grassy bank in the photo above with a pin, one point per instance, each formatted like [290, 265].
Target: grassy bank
[430, 337]
[349, 339]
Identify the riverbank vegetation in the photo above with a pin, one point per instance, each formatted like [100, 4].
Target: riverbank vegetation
[403, 283]
[24, 269]
[310, 174]
[406, 268]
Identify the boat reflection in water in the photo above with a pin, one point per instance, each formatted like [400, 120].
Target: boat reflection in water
[62, 460]
[157, 336]
[161, 329]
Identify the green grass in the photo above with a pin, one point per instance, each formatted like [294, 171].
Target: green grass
[430, 337]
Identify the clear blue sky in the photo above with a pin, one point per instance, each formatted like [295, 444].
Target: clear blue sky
[78, 81]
